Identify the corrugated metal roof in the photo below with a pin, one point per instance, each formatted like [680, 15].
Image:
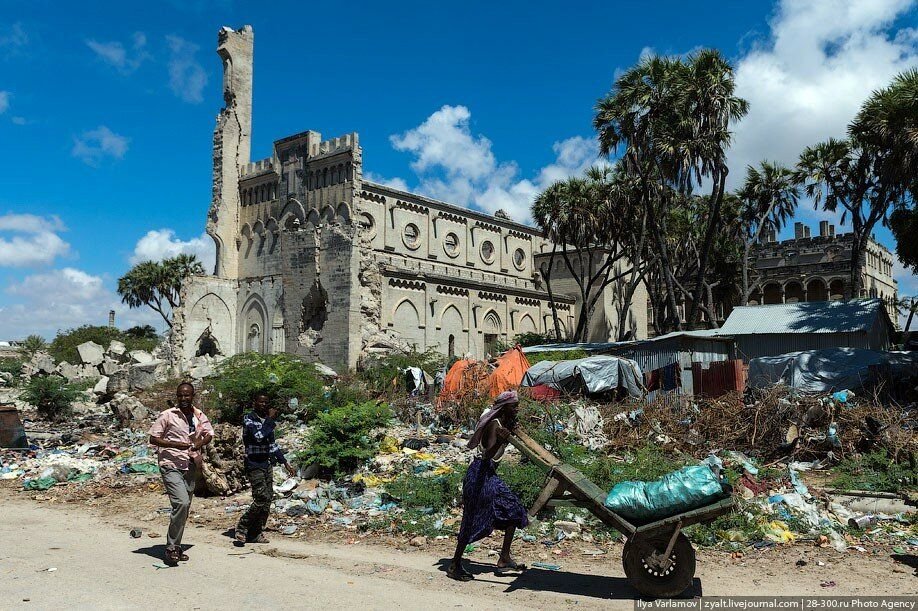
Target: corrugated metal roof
[805, 317]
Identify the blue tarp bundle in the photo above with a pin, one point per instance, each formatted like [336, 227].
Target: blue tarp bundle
[676, 492]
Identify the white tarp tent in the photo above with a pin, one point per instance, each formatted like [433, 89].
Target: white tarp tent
[824, 370]
[593, 374]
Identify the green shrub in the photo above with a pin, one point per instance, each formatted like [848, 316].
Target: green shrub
[232, 387]
[31, 345]
[340, 439]
[64, 345]
[875, 471]
[436, 492]
[51, 395]
[379, 372]
[12, 366]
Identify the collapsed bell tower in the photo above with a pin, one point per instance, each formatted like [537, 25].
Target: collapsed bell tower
[232, 145]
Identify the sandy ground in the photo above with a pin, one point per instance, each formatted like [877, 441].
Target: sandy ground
[99, 566]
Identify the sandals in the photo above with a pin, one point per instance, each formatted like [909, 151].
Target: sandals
[512, 567]
[460, 574]
[259, 539]
[174, 555]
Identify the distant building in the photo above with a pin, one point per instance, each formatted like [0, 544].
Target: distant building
[816, 268]
[770, 330]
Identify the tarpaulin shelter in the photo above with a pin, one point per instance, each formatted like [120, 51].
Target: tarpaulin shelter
[466, 378]
[825, 370]
[592, 375]
[511, 367]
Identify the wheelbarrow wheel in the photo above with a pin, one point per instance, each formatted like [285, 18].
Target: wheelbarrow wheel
[640, 560]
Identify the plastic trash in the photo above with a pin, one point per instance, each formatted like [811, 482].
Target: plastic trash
[142, 467]
[676, 492]
[838, 542]
[289, 484]
[288, 530]
[136, 533]
[546, 566]
[842, 396]
[778, 532]
[41, 483]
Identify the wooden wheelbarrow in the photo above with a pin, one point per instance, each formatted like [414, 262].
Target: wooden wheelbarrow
[658, 559]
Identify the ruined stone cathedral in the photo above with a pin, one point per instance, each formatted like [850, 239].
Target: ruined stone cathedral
[316, 261]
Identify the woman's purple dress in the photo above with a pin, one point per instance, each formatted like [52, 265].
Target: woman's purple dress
[488, 503]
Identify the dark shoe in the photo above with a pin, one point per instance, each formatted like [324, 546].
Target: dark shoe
[459, 574]
[173, 555]
[258, 539]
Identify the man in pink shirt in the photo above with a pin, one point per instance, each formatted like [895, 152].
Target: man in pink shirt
[179, 433]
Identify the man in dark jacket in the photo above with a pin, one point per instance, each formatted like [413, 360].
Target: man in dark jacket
[261, 453]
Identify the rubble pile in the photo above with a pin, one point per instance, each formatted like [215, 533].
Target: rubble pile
[224, 471]
[91, 447]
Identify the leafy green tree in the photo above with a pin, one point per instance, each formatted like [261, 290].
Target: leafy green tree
[32, 344]
[591, 224]
[142, 332]
[340, 439]
[670, 120]
[769, 197]
[872, 176]
[64, 345]
[158, 284]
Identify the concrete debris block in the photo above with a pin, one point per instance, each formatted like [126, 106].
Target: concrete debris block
[141, 357]
[101, 386]
[43, 363]
[419, 541]
[71, 372]
[27, 370]
[200, 368]
[146, 375]
[109, 366]
[116, 348]
[118, 382]
[7, 378]
[91, 353]
[224, 460]
[128, 410]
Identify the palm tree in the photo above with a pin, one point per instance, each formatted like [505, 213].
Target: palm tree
[32, 344]
[158, 284]
[769, 197]
[670, 119]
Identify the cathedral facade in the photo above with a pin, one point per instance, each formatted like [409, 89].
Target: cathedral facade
[314, 260]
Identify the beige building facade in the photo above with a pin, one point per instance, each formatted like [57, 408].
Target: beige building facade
[816, 268]
[314, 260]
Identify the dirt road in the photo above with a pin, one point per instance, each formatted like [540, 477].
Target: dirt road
[99, 566]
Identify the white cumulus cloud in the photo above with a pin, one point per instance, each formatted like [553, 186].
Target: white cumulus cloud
[92, 146]
[62, 299]
[29, 240]
[124, 59]
[4, 101]
[807, 80]
[159, 244]
[459, 167]
[187, 77]
[13, 39]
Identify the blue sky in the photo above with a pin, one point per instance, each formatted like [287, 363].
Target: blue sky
[107, 109]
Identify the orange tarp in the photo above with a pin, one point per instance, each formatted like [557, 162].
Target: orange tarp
[466, 377]
[511, 367]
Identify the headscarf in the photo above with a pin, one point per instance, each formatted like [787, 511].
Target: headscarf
[508, 397]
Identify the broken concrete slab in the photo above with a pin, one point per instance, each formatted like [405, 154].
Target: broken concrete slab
[146, 375]
[128, 410]
[43, 362]
[101, 386]
[141, 357]
[91, 353]
[116, 348]
[118, 382]
[110, 366]
[71, 372]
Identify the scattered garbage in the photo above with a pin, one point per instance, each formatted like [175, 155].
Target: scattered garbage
[136, 533]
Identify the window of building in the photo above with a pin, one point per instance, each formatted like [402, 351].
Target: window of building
[411, 236]
[487, 251]
[367, 224]
[519, 259]
[451, 244]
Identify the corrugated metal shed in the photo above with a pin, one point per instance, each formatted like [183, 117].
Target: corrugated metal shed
[683, 347]
[771, 330]
[807, 317]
